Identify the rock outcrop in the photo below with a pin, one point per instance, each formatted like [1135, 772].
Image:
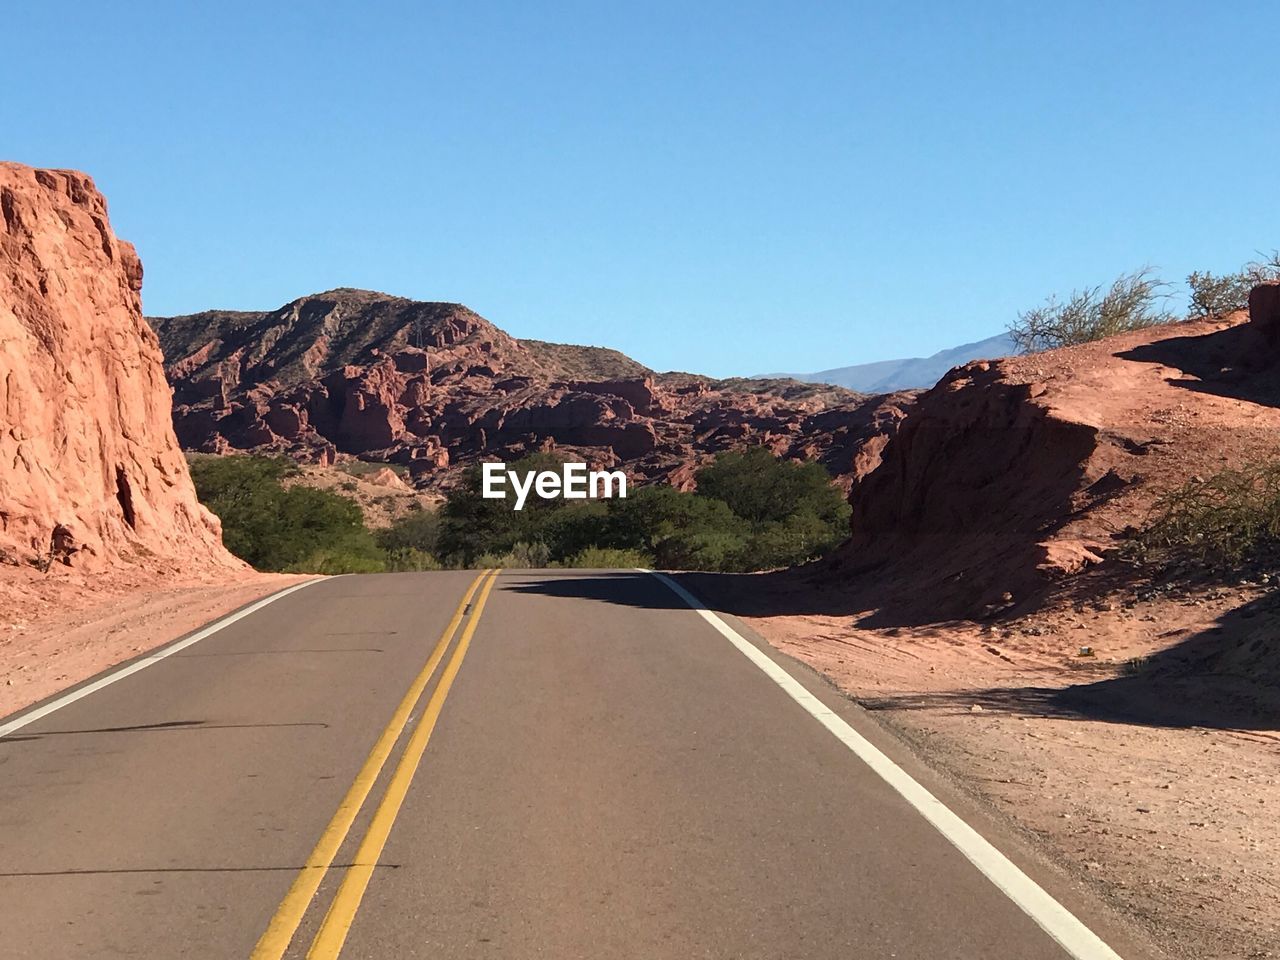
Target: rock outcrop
[436, 387]
[1012, 474]
[90, 472]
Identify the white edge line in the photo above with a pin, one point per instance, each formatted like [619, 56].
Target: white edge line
[1051, 916]
[156, 657]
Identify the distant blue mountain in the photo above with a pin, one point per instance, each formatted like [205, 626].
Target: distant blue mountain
[885, 376]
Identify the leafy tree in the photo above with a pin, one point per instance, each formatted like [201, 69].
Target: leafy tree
[470, 525]
[681, 531]
[760, 488]
[419, 530]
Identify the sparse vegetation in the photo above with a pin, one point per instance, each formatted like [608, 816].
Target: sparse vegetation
[1216, 296]
[1133, 301]
[1220, 524]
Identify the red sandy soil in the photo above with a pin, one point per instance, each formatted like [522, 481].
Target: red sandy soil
[60, 628]
[1177, 823]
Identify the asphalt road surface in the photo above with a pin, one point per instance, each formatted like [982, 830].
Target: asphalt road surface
[558, 764]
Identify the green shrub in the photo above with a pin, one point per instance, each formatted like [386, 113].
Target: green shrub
[1214, 296]
[1220, 523]
[760, 488]
[410, 559]
[752, 511]
[471, 525]
[521, 556]
[419, 530]
[609, 558]
[1132, 302]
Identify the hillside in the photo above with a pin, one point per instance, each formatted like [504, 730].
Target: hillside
[435, 387]
[1012, 474]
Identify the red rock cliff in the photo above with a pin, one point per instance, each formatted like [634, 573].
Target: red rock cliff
[90, 471]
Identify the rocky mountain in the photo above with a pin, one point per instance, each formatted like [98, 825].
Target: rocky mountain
[1012, 474]
[90, 472]
[886, 376]
[435, 387]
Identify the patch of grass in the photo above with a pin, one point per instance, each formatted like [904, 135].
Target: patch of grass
[410, 559]
[365, 468]
[610, 558]
[521, 556]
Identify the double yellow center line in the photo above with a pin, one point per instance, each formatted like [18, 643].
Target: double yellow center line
[342, 911]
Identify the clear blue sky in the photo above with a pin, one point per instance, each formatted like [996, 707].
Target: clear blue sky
[719, 187]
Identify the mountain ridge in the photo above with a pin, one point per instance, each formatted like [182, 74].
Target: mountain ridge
[434, 386]
[909, 373]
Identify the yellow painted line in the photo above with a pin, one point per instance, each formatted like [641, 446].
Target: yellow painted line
[275, 940]
[342, 912]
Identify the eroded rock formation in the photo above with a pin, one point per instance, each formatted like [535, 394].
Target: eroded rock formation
[436, 387]
[90, 471]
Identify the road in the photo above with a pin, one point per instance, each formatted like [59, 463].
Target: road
[558, 764]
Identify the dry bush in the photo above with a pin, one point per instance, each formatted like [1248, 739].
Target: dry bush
[1216, 296]
[1132, 301]
[1223, 523]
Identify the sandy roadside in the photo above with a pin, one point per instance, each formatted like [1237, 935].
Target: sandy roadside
[1162, 796]
[63, 627]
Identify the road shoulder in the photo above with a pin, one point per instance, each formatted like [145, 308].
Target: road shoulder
[59, 629]
[1170, 823]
